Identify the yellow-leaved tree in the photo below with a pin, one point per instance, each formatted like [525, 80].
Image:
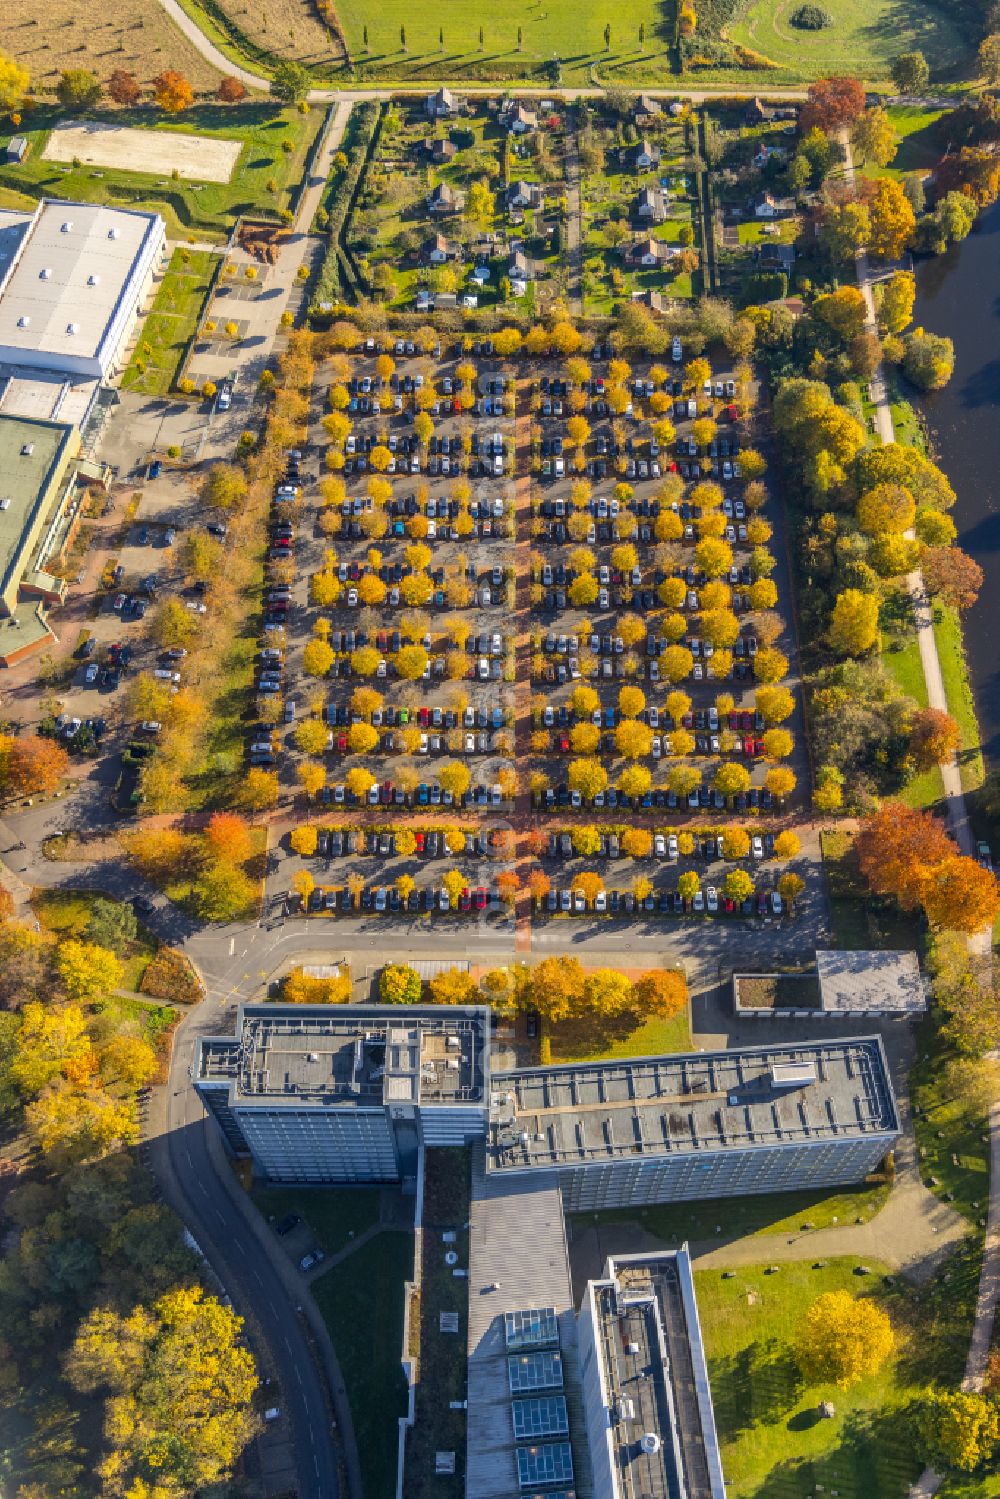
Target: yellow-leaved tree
[843, 1340]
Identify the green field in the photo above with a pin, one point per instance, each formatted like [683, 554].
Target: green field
[574, 34]
[750, 1217]
[864, 38]
[594, 1036]
[774, 1444]
[171, 323]
[335, 1217]
[191, 209]
[369, 1355]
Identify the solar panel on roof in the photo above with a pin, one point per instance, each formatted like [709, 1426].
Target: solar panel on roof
[545, 1462]
[536, 1328]
[542, 1417]
[541, 1370]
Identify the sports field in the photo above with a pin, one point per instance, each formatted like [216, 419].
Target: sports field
[865, 36]
[99, 143]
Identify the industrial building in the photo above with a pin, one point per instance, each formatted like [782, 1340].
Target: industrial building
[644, 1382]
[712, 1124]
[347, 1094]
[72, 287]
[73, 281]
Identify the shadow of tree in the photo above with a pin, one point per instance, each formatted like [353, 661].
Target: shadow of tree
[755, 1386]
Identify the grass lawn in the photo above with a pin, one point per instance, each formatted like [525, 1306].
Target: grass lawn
[774, 1445]
[336, 1215]
[588, 1038]
[573, 34]
[171, 323]
[952, 1137]
[68, 912]
[961, 704]
[752, 1217]
[362, 1304]
[919, 149]
[864, 38]
[860, 920]
[204, 210]
[901, 659]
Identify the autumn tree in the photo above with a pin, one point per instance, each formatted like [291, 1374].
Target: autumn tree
[556, 987]
[958, 894]
[661, 992]
[172, 92]
[874, 137]
[843, 1340]
[928, 359]
[228, 838]
[399, 984]
[854, 626]
[832, 103]
[124, 88]
[231, 90]
[32, 765]
[87, 971]
[257, 790]
[934, 737]
[952, 576]
[453, 986]
[588, 777]
[78, 89]
[184, 1376]
[895, 847]
[958, 1429]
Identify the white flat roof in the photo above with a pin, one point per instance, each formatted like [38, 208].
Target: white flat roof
[46, 395]
[60, 291]
[874, 980]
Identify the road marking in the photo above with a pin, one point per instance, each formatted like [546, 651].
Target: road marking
[316, 1464]
[239, 1246]
[256, 1276]
[220, 1217]
[232, 947]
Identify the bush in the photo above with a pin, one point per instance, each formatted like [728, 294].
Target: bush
[811, 18]
[171, 976]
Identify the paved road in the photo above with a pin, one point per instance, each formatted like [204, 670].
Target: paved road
[203, 1194]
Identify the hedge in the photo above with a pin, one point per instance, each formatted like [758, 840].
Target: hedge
[330, 280]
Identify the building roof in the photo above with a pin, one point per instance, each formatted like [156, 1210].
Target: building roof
[707, 1101]
[648, 246]
[33, 456]
[351, 1056]
[63, 286]
[859, 981]
[655, 1380]
[647, 106]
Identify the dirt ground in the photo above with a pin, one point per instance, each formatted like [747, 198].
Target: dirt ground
[138, 37]
[197, 158]
[289, 28]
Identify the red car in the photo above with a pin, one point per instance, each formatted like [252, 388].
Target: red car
[465, 901]
[748, 745]
[342, 744]
[424, 717]
[564, 743]
[420, 840]
[481, 898]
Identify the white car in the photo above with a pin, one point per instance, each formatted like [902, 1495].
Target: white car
[757, 847]
[660, 846]
[712, 899]
[698, 901]
[672, 848]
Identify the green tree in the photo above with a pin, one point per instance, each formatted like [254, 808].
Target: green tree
[874, 137]
[290, 81]
[78, 90]
[112, 924]
[928, 359]
[223, 892]
[910, 72]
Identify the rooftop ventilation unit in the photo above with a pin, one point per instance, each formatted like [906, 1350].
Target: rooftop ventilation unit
[72, 328]
[66, 226]
[93, 280]
[792, 1074]
[112, 234]
[23, 322]
[649, 1442]
[5, 502]
[45, 274]
[313, 1056]
[27, 449]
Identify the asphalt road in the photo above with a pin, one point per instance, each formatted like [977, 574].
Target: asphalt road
[205, 1198]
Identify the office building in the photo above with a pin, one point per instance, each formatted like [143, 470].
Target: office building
[644, 1382]
[317, 1093]
[712, 1124]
